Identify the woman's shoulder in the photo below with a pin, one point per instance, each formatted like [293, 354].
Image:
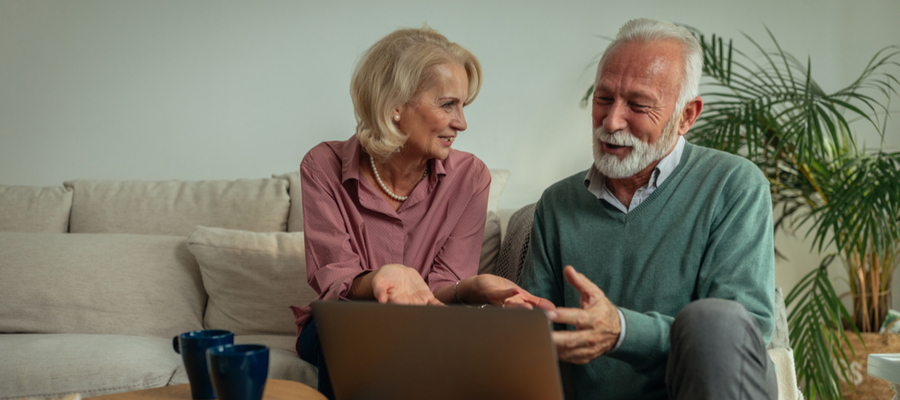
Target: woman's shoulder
[467, 163]
[327, 154]
[464, 171]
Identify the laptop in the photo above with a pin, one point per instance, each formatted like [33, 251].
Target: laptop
[388, 351]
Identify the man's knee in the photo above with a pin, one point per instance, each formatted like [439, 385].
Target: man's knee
[718, 352]
[712, 317]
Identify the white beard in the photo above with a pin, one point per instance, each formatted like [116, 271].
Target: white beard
[641, 155]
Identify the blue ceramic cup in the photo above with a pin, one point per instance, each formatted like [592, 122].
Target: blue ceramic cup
[192, 347]
[238, 371]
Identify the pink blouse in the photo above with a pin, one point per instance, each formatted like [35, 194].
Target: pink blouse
[349, 228]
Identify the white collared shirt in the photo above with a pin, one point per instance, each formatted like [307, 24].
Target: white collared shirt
[595, 183]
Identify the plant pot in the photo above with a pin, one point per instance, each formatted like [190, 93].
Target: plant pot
[868, 387]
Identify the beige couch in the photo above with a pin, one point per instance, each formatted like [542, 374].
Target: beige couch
[96, 277]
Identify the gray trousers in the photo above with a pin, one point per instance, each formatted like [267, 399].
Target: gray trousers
[717, 352]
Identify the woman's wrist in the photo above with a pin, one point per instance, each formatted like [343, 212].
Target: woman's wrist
[466, 291]
[456, 293]
[361, 287]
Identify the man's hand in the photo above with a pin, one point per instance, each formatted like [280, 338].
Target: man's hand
[398, 284]
[596, 322]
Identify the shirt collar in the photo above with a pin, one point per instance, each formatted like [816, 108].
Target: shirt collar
[668, 164]
[350, 161]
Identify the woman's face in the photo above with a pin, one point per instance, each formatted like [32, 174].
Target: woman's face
[433, 118]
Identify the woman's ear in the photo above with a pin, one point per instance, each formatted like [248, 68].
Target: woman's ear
[397, 113]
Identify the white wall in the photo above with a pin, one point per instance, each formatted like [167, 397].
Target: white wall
[227, 89]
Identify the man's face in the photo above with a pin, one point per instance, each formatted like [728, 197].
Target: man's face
[633, 106]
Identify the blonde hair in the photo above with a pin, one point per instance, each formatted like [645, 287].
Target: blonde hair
[391, 73]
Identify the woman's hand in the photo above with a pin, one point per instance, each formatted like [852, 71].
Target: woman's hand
[398, 284]
[499, 291]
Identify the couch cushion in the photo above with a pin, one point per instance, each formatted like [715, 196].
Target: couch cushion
[38, 365]
[295, 217]
[177, 207]
[490, 244]
[252, 279]
[98, 283]
[35, 209]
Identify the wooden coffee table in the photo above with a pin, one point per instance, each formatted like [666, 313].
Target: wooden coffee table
[276, 389]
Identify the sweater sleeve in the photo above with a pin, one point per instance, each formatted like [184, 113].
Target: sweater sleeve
[541, 274]
[739, 263]
[646, 340]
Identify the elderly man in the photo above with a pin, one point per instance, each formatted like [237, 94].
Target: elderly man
[673, 241]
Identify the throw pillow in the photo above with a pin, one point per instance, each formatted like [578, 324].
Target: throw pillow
[295, 216]
[35, 209]
[490, 244]
[252, 279]
[114, 284]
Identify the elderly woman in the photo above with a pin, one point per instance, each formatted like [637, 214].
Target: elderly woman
[394, 213]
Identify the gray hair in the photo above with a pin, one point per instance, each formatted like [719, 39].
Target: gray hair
[648, 30]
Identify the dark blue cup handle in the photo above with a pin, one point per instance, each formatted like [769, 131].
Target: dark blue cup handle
[175, 344]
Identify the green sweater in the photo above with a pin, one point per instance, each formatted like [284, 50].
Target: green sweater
[705, 232]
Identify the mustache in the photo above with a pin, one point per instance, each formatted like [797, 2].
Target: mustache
[617, 138]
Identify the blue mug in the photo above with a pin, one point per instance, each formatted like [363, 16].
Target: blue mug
[192, 347]
[238, 371]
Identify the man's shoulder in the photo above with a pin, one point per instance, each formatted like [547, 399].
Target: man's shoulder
[566, 186]
[706, 161]
[566, 195]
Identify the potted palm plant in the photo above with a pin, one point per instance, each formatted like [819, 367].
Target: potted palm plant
[768, 108]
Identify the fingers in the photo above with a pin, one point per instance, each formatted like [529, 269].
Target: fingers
[596, 331]
[576, 317]
[577, 347]
[504, 295]
[517, 304]
[580, 282]
[382, 297]
[418, 298]
[529, 301]
[503, 292]
[542, 303]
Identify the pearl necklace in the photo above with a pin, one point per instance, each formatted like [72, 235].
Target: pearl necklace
[383, 187]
